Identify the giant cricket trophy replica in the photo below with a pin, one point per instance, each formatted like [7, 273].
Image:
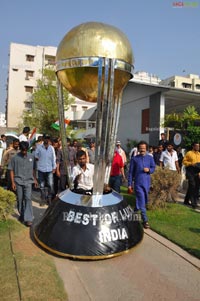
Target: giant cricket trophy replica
[94, 63]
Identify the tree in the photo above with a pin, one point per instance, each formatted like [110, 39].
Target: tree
[192, 135]
[173, 120]
[189, 116]
[44, 100]
[185, 121]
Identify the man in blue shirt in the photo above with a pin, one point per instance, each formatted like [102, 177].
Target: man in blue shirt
[141, 166]
[46, 165]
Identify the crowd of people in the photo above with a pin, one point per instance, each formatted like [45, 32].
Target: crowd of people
[165, 156]
[43, 166]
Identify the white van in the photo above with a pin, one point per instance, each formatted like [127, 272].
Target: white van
[10, 137]
[9, 140]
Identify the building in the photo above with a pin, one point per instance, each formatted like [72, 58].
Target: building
[2, 120]
[146, 99]
[26, 66]
[144, 106]
[190, 82]
[144, 77]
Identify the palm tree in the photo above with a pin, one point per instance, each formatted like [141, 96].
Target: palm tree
[173, 120]
[189, 115]
[182, 120]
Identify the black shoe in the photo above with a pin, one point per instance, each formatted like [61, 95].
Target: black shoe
[49, 202]
[187, 203]
[21, 219]
[42, 204]
[146, 225]
[28, 224]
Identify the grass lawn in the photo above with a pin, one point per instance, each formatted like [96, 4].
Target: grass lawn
[37, 276]
[129, 197]
[178, 223]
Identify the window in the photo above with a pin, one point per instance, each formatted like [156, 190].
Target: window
[186, 85]
[73, 108]
[145, 121]
[29, 58]
[15, 69]
[49, 60]
[28, 105]
[172, 84]
[29, 74]
[197, 87]
[29, 89]
[84, 108]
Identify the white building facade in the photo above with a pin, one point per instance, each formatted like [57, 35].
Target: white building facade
[144, 107]
[145, 77]
[2, 120]
[190, 82]
[145, 101]
[25, 68]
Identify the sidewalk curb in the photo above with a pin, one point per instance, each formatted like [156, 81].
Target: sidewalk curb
[174, 248]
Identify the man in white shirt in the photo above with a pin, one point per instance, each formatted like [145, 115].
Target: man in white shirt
[3, 143]
[169, 158]
[25, 134]
[82, 174]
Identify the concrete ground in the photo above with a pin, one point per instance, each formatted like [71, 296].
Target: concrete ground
[150, 271]
[154, 270]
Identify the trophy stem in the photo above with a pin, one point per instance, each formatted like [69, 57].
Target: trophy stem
[113, 134]
[63, 131]
[108, 109]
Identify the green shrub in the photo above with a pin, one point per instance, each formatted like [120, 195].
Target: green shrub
[7, 203]
[164, 186]
[130, 144]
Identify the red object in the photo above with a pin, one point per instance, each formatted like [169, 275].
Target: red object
[130, 190]
[117, 164]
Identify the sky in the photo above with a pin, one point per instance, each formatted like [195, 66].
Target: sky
[165, 39]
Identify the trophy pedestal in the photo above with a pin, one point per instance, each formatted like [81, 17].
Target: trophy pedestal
[72, 227]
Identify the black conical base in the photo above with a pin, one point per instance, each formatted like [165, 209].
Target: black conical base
[72, 227]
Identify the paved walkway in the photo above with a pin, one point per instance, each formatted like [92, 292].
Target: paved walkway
[150, 271]
[154, 270]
